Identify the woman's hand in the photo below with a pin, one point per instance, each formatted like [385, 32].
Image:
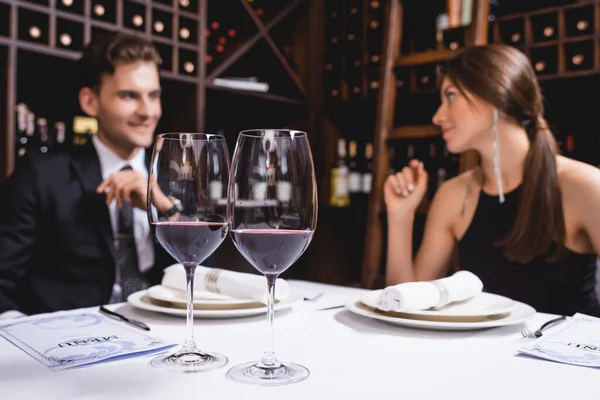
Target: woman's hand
[404, 190]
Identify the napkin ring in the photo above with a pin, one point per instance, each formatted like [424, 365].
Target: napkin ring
[444, 296]
[211, 278]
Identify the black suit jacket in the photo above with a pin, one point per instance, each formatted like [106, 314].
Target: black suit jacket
[56, 245]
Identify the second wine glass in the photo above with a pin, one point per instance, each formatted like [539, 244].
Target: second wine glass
[187, 211]
[272, 210]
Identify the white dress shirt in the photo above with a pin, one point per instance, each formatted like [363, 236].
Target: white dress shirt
[109, 164]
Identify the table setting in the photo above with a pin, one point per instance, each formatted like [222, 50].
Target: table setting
[369, 356]
[200, 332]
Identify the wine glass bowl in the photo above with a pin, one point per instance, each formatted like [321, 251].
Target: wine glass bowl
[272, 213]
[187, 210]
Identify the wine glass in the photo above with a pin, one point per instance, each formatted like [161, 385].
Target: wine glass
[272, 212]
[187, 209]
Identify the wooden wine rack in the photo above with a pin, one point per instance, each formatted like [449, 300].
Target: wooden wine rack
[60, 29]
[561, 42]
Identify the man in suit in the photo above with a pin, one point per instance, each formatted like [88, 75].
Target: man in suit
[73, 226]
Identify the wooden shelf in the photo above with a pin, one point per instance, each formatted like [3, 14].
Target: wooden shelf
[414, 132]
[569, 74]
[546, 10]
[558, 42]
[427, 57]
[260, 95]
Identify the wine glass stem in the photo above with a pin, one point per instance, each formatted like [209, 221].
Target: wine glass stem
[269, 360]
[190, 342]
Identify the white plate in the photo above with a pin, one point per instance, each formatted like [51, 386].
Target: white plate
[520, 312]
[479, 306]
[163, 293]
[141, 300]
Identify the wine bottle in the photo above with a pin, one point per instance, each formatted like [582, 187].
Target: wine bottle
[579, 21]
[354, 174]
[284, 186]
[31, 129]
[544, 27]
[367, 175]
[42, 131]
[339, 177]
[60, 132]
[215, 185]
[23, 138]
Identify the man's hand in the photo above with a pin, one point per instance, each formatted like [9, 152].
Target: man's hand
[129, 186]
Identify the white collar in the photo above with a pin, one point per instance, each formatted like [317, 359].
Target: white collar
[111, 162]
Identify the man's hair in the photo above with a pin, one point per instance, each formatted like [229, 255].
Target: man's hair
[103, 53]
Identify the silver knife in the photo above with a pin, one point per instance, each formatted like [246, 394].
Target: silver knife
[123, 318]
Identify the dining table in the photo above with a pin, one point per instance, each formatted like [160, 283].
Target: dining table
[349, 357]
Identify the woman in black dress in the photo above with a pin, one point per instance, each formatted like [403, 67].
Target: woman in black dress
[526, 220]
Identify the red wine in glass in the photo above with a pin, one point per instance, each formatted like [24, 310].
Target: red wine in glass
[272, 211]
[271, 251]
[190, 242]
[187, 197]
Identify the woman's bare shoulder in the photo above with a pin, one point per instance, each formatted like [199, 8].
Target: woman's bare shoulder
[461, 183]
[577, 176]
[453, 193]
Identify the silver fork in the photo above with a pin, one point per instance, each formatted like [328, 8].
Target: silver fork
[528, 333]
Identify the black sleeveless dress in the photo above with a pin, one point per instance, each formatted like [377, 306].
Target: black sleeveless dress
[563, 287]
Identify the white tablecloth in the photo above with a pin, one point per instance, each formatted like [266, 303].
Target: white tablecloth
[350, 357]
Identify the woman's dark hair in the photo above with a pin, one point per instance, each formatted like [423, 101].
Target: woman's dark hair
[503, 76]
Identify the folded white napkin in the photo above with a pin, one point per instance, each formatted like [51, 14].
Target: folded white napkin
[234, 284]
[462, 285]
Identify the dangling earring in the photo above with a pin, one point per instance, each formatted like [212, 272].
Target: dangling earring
[496, 150]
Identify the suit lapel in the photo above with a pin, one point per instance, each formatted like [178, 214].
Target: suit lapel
[87, 167]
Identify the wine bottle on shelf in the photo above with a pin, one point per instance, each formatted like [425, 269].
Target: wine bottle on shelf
[544, 26]
[162, 25]
[23, 137]
[494, 10]
[392, 162]
[375, 5]
[367, 175]
[284, 186]
[579, 55]
[579, 21]
[353, 34]
[354, 8]
[339, 177]
[60, 132]
[544, 59]
[42, 131]
[570, 146]
[512, 31]
[354, 173]
[373, 84]
[32, 141]
[410, 152]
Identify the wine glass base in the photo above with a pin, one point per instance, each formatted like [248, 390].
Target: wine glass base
[189, 361]
[251, 373]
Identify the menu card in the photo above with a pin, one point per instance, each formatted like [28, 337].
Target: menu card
[69, 339]
[575, 341]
